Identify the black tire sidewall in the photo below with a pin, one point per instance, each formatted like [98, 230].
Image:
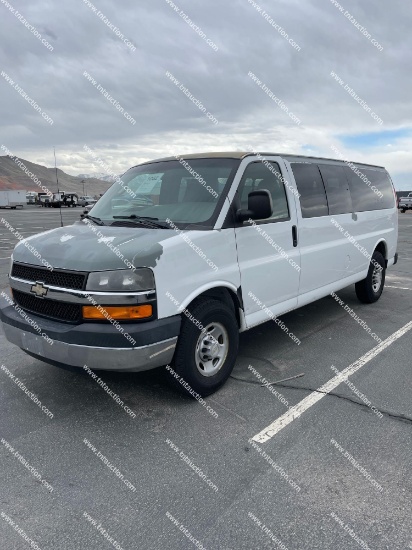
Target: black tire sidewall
[374, 296]
[184, 364]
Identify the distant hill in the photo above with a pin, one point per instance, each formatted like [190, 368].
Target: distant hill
[102, 177]
[13, 177]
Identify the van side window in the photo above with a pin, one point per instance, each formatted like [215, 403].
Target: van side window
[370, 189]
[247, 188]
[337, 189]
[258, 176]
[311, 189]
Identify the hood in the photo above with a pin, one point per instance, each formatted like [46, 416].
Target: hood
[80, 247]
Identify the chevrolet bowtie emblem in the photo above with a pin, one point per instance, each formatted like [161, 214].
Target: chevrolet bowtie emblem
[39, 290]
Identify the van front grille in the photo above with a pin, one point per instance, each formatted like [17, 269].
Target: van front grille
[61, 311]
[58, 278]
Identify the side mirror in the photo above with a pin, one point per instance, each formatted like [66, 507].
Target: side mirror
[259, 205]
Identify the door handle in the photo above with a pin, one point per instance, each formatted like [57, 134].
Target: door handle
[295, 235]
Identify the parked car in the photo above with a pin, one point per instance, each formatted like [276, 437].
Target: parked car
[89, 207]
[405, 203]
[175, 279]
[85, 200]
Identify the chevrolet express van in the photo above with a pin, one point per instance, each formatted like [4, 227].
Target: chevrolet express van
[184, 253]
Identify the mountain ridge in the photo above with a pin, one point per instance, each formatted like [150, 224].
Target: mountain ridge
[13, 177]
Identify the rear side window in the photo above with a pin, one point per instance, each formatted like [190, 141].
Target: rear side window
[337, 189]
[311, 189]
[370, 189]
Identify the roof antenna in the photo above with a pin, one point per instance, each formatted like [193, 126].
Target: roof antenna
[58, 192]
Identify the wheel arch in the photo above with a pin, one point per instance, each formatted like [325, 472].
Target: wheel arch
[382, 247]
[224, 292]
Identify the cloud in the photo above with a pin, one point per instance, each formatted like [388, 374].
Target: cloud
[165, 118]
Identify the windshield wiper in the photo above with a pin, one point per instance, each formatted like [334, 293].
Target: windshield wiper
[134, 217]
[144, 220]
[97, 221]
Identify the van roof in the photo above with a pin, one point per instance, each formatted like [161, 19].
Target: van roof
[243, 154]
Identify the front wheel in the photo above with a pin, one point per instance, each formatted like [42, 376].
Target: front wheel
[207, 347]
[370, 289]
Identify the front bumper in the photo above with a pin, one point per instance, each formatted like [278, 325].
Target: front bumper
[100, 346]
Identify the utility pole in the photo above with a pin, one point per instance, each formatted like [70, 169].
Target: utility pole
[58, 190]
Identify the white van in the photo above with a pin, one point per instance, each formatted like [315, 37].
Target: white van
[184, 253]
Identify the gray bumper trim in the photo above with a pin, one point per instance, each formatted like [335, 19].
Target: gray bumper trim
[116, 359]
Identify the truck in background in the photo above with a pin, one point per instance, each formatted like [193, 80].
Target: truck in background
[56, 200]
[405, 203]
[12, 199]
[31, 197]
[63, 199]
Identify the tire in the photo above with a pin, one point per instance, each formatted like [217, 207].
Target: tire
[370, 289]
[403, 210]
[190, 363]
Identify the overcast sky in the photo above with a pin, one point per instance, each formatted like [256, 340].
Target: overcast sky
[167, 121]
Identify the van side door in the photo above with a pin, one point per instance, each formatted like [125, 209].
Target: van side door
[268, 251]
[325, 218]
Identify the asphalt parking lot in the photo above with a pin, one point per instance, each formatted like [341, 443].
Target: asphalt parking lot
[334, 475]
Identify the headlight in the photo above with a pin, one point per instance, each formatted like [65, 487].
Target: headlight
[122, 280]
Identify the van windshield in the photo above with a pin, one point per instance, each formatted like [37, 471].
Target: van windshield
[184, 192]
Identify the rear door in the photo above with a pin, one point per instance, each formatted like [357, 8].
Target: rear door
[268, 251]
[375, 211]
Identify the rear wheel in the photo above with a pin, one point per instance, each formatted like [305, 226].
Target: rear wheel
[403, 210]
[370, 289]
[207, 347]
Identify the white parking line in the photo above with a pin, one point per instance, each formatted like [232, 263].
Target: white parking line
[314, 397]
[400, 287]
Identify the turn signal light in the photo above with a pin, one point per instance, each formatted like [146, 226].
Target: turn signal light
[125, 313]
